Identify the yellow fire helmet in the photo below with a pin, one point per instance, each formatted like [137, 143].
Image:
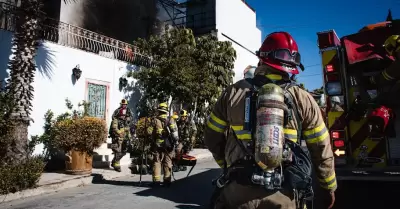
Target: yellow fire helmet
[183, 113]
[175, 116]
[392, 44]
[124, 102]
[163, 107]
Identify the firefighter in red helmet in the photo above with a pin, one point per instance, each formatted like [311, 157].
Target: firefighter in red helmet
[256, 131]
[120, 133]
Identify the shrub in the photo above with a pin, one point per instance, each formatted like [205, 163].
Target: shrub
[81, 134]
[17, 177]
[141, 131]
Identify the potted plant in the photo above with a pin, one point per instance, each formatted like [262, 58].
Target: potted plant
[79, 135]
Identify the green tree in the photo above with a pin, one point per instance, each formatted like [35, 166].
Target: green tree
[302, 86]
[319, 90]
[193, 71]
[22, 72]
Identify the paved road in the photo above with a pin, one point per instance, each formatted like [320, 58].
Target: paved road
[192, 192]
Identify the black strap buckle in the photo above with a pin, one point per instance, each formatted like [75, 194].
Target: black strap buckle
[220, 182]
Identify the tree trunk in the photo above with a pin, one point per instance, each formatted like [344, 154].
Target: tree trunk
[22, 71]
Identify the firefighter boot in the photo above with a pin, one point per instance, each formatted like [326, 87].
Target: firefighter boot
[115, 164]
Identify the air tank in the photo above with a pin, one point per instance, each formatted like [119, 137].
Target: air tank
[269, 135]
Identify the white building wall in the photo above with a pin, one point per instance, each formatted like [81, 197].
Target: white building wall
[53, 81]
[237, 21]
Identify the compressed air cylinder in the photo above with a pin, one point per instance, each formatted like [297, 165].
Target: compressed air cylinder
[269, 136]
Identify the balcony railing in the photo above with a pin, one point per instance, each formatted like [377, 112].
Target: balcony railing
[76, 37]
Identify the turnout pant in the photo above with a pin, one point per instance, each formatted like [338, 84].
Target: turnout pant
[183, 146]
[119, 148]
[162, 159]
[234, 195]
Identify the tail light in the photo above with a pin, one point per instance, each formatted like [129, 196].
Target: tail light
[329, 68]
[338, 134]
[338, 143]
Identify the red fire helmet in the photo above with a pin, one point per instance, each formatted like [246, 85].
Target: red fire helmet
[380, 117]
[280, 51]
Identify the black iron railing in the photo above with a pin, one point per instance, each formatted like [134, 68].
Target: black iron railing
[72, 36]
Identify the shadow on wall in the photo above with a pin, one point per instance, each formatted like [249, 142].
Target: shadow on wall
[132, 92]
[45, 61]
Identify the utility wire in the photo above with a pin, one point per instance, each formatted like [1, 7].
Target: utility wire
[302, 76]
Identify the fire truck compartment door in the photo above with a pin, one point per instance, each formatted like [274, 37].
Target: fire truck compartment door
[361, 47]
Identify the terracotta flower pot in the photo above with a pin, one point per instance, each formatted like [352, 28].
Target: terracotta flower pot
[78, 163]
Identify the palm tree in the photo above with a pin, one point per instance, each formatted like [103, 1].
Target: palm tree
[22, 71]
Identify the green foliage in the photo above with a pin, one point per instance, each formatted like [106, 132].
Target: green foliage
[17, 177]
[302, 86]
[191, 70]
[22, 64]
[80, 134]
[14, 176]
[319, 90]
[71, 130]
[18, 170]
[47, 138]
[6, 126]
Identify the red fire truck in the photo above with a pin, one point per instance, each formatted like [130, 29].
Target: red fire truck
[361, 112]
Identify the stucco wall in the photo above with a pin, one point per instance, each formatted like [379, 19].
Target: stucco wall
[237, 21]
[53, 80]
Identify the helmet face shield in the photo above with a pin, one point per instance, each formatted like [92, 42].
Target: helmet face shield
[283, 55]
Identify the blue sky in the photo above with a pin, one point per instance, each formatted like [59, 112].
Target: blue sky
[304, 20]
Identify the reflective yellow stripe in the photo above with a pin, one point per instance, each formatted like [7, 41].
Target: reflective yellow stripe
[160, 140]
[217, 120]
[172, 125]
[330, 182]
[163, 116]
[220, 163]
[241, 134]
[214, 128]
[156, 178]
[216, 124]
[274, 76]
[237, 128]
[290, 134]
[317, 134]
[387, 76]
[160, 130]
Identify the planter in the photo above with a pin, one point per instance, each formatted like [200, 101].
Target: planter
[78, 163]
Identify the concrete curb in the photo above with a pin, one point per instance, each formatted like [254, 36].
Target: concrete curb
[79, 181]
[49, 188]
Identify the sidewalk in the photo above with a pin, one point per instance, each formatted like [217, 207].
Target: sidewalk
[54, 182]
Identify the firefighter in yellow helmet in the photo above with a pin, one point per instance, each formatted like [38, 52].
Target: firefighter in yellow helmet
[255, 132]
[175, 116]
[120, 133]
[392, 73]
[187, 133]
[164, 137]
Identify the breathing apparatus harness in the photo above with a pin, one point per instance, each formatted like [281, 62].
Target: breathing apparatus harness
[295, 171]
